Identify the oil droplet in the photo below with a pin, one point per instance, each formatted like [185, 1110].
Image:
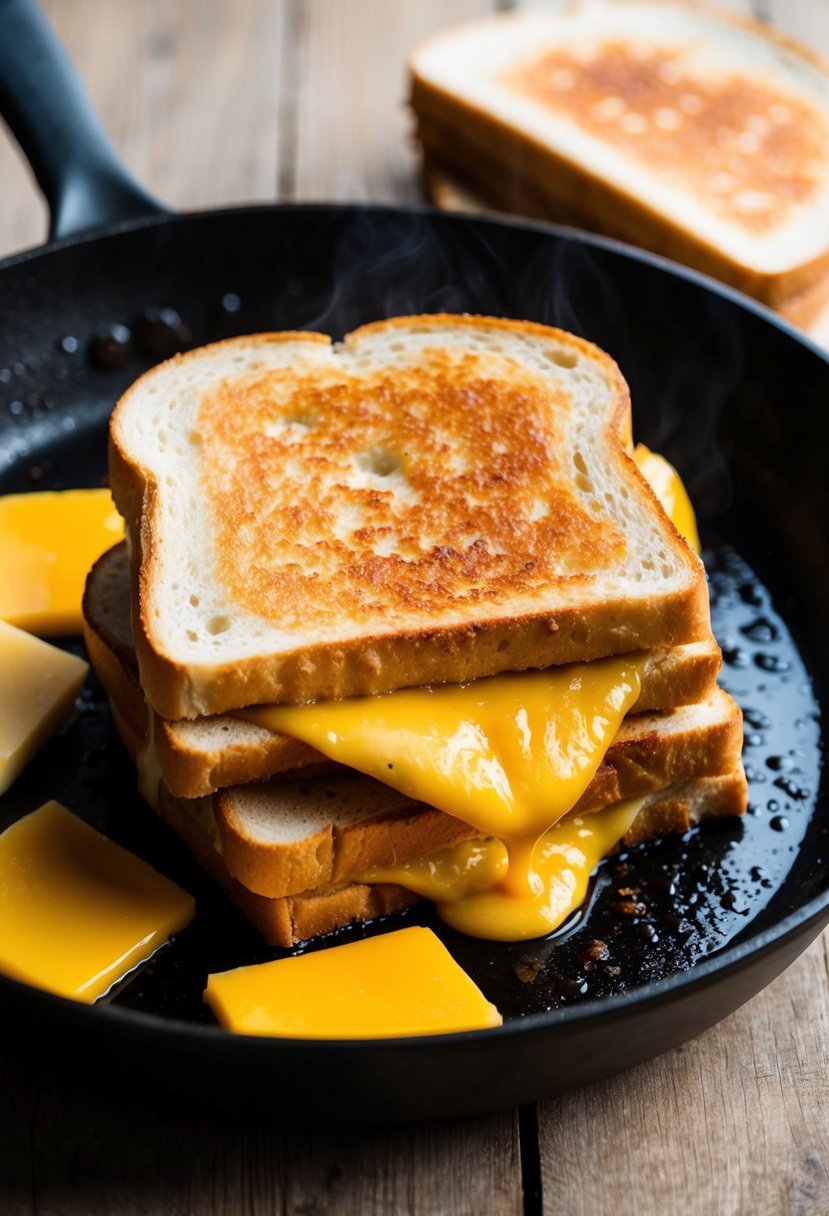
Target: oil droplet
[571, 988]
[160, 331]
[760, 630]
[791, 788]
[779, 823]
[772, 662]
[231, 302]
[781, 764]
[69, 344]
[751, 595]
[111, 347]
[735, 657]
[757, 719]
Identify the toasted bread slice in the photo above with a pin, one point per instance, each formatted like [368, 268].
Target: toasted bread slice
[207, 754]
[283, 838]
[287, 919]
[437, 499]
[689, 131]
[291, 919]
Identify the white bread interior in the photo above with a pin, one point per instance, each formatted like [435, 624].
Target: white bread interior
[202, 645]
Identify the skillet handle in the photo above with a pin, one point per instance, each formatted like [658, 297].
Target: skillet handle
[47, 109]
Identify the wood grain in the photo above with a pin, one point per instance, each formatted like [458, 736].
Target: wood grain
[736, 1121]
[70, 1151]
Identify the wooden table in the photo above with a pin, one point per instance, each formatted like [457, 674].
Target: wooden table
[216, 101]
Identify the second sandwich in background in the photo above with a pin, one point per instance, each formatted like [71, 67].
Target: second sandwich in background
[688, 131]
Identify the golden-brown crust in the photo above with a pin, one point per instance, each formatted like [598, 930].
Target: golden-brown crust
[728, 797]
[598, 203]
[291, 919]
[481, 644]
[668, 681]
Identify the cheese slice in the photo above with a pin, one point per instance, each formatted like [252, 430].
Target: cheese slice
[38, 687]
[668, 487]
[48, 542]
[402, 983]
[77, 912]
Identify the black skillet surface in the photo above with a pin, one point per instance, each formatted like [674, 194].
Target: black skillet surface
[676, 934]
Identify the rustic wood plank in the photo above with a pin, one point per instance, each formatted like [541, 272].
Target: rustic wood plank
[801, 19]
[353, 127]
[735, 1122]
[189, 93]
[70, 1151]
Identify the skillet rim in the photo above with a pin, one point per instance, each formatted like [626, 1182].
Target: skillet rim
[428, 212]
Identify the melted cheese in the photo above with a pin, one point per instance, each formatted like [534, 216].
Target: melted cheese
[38, 686]
[466, 881]
[48, 541]
[668, 488]
[510, 755]
[396, 984]
[78, 911]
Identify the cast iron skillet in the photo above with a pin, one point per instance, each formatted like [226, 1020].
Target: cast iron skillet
[677, 934]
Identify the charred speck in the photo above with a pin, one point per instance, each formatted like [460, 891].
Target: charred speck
[160, 332]
[595, 951]
[527, 972]
[629, 907]
[111, 347]
[647, 932]
[736, 657]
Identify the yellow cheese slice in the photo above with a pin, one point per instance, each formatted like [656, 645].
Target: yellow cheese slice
[77, 912]
[38, 687]
[668, 487]
[48, 542]
[401, 983]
